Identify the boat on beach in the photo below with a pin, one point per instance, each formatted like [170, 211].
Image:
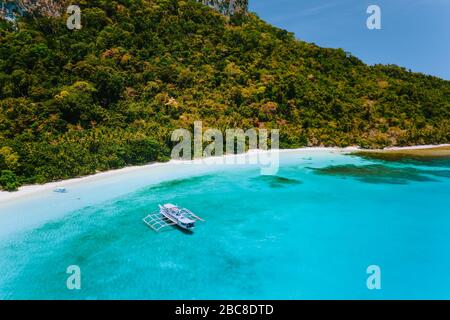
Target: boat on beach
[60, 190]
[170, 215]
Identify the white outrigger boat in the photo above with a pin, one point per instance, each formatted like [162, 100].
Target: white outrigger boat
[170, 215]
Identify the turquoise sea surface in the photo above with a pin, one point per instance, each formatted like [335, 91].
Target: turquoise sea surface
[310, 232]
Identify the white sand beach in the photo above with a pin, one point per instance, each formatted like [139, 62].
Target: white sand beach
[29, 190]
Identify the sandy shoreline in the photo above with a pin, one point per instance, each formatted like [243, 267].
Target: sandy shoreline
[27, 190]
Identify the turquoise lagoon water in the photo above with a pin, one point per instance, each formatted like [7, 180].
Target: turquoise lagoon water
[310, 232]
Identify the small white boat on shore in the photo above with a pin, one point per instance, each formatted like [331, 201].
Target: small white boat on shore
[60, 190]
[170, 215]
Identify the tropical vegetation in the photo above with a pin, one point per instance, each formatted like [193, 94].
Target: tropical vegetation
[75, 102]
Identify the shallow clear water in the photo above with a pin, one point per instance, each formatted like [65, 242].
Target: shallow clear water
[310, 232]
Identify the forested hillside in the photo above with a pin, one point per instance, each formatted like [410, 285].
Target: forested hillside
[109, 95]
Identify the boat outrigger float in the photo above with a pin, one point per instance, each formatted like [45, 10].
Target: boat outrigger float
[170, 215]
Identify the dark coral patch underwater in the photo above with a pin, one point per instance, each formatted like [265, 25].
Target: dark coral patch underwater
[277, 181]
[377, 173]
[188, 182]
[439, 158]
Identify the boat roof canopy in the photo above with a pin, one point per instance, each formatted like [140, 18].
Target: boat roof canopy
[185, 220]
[170, 206]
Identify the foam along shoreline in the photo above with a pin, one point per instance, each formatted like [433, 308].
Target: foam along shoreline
[30, 190]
